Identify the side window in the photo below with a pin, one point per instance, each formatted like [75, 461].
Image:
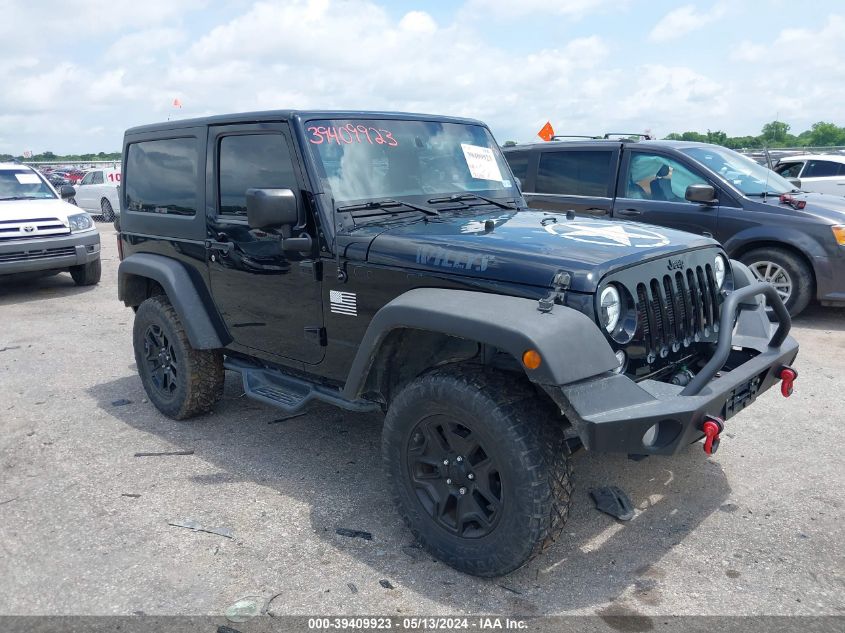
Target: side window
[655, 177]
[86, 180]
[97, 178]
[519, 164]
[161, 176]
[253, 160]
[574, 173]
[821, 169]
[789, 170]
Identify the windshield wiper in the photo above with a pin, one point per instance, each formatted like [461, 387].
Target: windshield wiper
[388, 204]
[764, 194]
[23, 198]
[460, 197]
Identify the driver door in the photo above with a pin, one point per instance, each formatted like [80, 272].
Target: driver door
[651, 189]
[270, 299]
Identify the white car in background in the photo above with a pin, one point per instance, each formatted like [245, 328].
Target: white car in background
[822, 173]
[98, 193]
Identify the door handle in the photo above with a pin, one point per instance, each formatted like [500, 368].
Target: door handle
[601, 211]
[629, 212]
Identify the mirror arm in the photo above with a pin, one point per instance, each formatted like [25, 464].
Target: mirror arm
[303, 243]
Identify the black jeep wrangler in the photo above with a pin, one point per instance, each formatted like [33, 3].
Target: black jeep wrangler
[388, 262]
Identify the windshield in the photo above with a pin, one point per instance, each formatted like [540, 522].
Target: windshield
[742, 172]
[23, 184]
[371, 159]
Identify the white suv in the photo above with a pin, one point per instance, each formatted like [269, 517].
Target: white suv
[40, 232]
[822, 173]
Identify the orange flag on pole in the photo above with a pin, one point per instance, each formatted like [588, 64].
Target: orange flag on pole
[547, 132]
[177, 103]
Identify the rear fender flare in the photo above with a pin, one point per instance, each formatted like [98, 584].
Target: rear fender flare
[202, 322]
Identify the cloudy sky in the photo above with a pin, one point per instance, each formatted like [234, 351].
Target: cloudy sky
[74, 75]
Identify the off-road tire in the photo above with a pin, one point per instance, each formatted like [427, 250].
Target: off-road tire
[87, 274]
[199, 382]
[803, 286]
[106, 210]
[520, 431]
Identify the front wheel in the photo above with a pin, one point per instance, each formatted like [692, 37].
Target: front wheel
[480, 470]
[87, 274]
[790, 276]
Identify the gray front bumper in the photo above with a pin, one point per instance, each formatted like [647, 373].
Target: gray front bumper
[49, 253]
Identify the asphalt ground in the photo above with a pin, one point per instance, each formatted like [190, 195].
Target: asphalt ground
[84, 523]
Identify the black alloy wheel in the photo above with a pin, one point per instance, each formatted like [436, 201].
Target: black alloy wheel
[161, 360]
[455, 480]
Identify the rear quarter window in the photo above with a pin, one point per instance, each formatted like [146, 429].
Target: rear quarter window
[518, 162]
[574, 173]
[161, 176]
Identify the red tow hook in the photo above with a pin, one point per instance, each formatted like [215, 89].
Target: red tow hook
[787, 375]
[712, 427]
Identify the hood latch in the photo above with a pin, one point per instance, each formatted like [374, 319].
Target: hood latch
[560, 284]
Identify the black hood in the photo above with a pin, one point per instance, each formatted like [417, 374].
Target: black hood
[527, 247]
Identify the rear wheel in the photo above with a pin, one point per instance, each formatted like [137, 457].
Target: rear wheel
[87, 274]
[480, 470]
[788, 273]
[180, 381]
[106, 210]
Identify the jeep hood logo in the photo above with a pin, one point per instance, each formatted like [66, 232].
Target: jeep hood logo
[607, 234]
[675, 264]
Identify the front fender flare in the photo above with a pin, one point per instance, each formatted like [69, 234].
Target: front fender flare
[571, 345]
[203, 325]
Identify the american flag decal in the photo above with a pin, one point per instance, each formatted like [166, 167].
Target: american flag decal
[343, 302]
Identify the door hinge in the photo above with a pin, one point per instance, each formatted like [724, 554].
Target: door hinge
[316, 334]
[313, 268]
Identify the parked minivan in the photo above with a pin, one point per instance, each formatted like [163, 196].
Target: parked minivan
[793, 239]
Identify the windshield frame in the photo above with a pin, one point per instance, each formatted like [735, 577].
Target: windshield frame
[323, 189]
[28, 170]
[772, 180]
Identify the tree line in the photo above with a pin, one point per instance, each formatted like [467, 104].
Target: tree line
[773, 134]
[50, 157]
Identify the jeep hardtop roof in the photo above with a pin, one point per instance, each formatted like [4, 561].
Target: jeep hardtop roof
[287, 115]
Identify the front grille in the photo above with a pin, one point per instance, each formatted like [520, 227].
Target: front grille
[27, 256]
[677, 310]
[26, 229]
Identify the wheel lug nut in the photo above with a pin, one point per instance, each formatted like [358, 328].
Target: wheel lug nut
[445, 462]
[449, 481]
[470, 476]
[462, 490]
[459, 459]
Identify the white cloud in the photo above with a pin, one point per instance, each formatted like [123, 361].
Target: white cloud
[683, 20]
[418, 22]
[356, 54]
[516, 8]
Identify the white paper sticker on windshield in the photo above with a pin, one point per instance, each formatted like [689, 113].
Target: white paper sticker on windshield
[481, 162]
[28, 179]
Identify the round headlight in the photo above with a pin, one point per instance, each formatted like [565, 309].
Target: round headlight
[610, 308]
[719, 266]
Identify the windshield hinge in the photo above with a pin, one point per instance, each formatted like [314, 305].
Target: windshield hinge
[560, 284]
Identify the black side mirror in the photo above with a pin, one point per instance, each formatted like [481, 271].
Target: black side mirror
[67, 192]
[271, 208]
[702, 194]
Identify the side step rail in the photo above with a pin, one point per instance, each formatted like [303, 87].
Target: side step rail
[289, 393]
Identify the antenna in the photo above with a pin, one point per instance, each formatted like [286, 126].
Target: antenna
[768, 171]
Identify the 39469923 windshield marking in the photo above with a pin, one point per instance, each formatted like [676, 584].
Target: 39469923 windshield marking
[351, 133]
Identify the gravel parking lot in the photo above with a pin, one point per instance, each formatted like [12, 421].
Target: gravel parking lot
[84, 523]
